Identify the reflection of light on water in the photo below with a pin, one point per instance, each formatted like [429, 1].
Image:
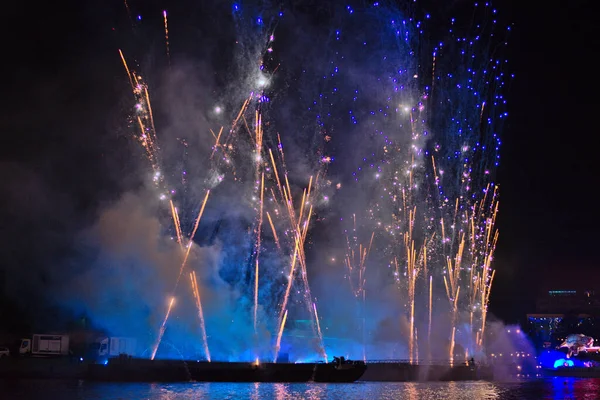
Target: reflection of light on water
[280, 391]
[315, 392]
[555, 388]
[411, 391]
[284, 391]
[255, 395]
[453, 390]
[586, 388]
[563, 388]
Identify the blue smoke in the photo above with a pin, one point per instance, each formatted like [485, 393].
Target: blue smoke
[346, 91]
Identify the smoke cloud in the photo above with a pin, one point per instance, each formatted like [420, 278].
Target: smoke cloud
[350, 112]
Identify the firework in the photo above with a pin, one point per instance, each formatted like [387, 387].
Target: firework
[167, 35]
[293, 221]
[431, 114]
[356, 263]
[433, 202]
[196, 291]
[162, 328]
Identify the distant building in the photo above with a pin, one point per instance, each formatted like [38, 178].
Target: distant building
[568, 301]
[561, 312]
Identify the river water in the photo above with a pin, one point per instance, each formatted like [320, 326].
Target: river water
[552, 388]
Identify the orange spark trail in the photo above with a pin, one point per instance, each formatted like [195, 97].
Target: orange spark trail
[274, 231]
[319, 329]
[413, 269]
[278, 344]
[481, 114]
[217, 137]
[236, 120]
[260, 221]
[161, 332]
[148, 146]
[452, 338]
[453, 289]
[282, 315]
[129, 13]
[430, 314]
[150, 114]
[189, 247]
[126, 68]
[299, 222]
[200, 313]
[352, 264]
[259, 132]
[358, 290]
[177, 224]
[167, 35]
[299, 235]
[276, 173]
[280, 146]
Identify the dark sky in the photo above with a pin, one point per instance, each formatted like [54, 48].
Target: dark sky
[547, 176]
[62, 76]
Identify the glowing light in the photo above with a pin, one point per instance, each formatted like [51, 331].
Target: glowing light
[167, 35]
[563, 363]
[262, 82]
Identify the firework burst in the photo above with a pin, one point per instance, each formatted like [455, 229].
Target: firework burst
[425, 121]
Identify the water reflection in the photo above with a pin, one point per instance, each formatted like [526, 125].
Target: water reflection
[555, 388]
[255, 394]
[562, 388]
[575, 388]
[315, 392]
[280, 391]
[411, 391]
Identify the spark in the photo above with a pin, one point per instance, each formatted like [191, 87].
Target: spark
[196, 292]
[162, 328]
[167, 36]
[278, 343]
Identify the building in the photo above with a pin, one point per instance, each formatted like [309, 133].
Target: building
[562, 312]
[568, 301]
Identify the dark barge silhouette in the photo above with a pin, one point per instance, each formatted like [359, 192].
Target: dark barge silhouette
[125, 369]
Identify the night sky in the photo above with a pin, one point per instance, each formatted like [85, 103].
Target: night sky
[66, 151]
[547, 221]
